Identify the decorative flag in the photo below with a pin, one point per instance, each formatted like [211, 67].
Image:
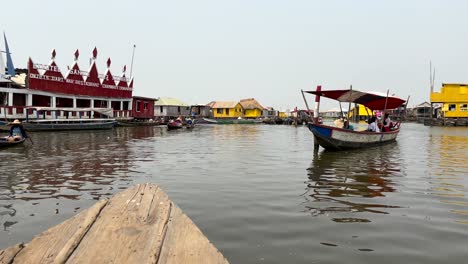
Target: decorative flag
[11, 68]
[77, 54]
[94, 53]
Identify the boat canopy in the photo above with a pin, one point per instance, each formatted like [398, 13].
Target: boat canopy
[372, 100]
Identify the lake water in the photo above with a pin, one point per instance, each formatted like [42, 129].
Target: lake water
[258, 192]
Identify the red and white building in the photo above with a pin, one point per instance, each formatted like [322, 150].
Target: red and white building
[47, 87]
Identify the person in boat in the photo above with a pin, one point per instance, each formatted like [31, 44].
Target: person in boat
[346, 125]
[387, 123]
[339, 122]
[17, 131]
[373, 127]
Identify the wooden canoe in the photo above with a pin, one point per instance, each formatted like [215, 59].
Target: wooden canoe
[6, 143]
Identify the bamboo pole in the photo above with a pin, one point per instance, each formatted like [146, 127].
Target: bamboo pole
[305, 101]
[349, 105]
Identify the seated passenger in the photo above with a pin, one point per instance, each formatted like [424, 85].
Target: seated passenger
[17, 131]
[346, 125]
[373, 127]
[387, 123]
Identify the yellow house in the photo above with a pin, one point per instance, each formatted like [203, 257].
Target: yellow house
[454, 97]
[283, 115]
[362, 112]
[252, 108]
[226, 109]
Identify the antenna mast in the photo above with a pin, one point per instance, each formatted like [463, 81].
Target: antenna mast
[131, 65]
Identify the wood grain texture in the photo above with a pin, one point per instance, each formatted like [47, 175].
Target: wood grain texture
[58, 240]
[138, 225]
[129, 229]
[7, 255]
[185, 243]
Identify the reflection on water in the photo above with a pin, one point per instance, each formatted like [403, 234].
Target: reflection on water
[97, 158]
[259, 193]
[66, 167]
[344, 183]
[448, 167]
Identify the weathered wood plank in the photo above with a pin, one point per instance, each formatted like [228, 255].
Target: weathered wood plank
[55, 244]
[139, 225]
[185, 243]
[129, 229]
[7, 255]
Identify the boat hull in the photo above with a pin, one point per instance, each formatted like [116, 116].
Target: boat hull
[68, 126]
[174, 125]
[333, 138]
[7, 144]
[134, 124]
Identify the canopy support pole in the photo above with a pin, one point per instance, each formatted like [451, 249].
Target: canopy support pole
[305, 101]
[317, 104]
[341, 110]
[385, 106]
[349, 105]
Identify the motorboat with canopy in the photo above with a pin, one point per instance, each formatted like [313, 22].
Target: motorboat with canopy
[340, 138]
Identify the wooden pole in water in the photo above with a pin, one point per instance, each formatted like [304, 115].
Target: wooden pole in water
[406, 105]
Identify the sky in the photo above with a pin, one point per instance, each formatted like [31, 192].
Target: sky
[205, 50]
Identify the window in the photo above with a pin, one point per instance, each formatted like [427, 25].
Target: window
[161, 110]
[219, 111]
[452, 107]
[138, 106]
[145, 106]
[463, 107]
[178, 109]
[227, 111]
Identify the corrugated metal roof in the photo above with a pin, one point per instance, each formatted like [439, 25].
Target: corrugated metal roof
[223, 104]
[170, 101]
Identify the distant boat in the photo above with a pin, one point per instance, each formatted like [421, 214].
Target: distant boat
[73, 123]
[68, 124]
[174, 124]
[131, 123]
[232, 121]
[189, 123]
[338, 138]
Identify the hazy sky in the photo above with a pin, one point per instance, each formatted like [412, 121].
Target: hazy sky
[204, 50]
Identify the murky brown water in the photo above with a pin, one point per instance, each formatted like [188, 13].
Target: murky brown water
[259, 193]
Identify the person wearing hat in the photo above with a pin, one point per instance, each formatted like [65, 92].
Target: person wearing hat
[17, 131]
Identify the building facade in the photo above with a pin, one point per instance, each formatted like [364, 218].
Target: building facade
[454, 97]
[143, 108]
[229, 109]
[46, 86]
[252, 108]
[170, 107]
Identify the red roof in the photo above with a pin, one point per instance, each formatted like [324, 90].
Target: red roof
[372, 100]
